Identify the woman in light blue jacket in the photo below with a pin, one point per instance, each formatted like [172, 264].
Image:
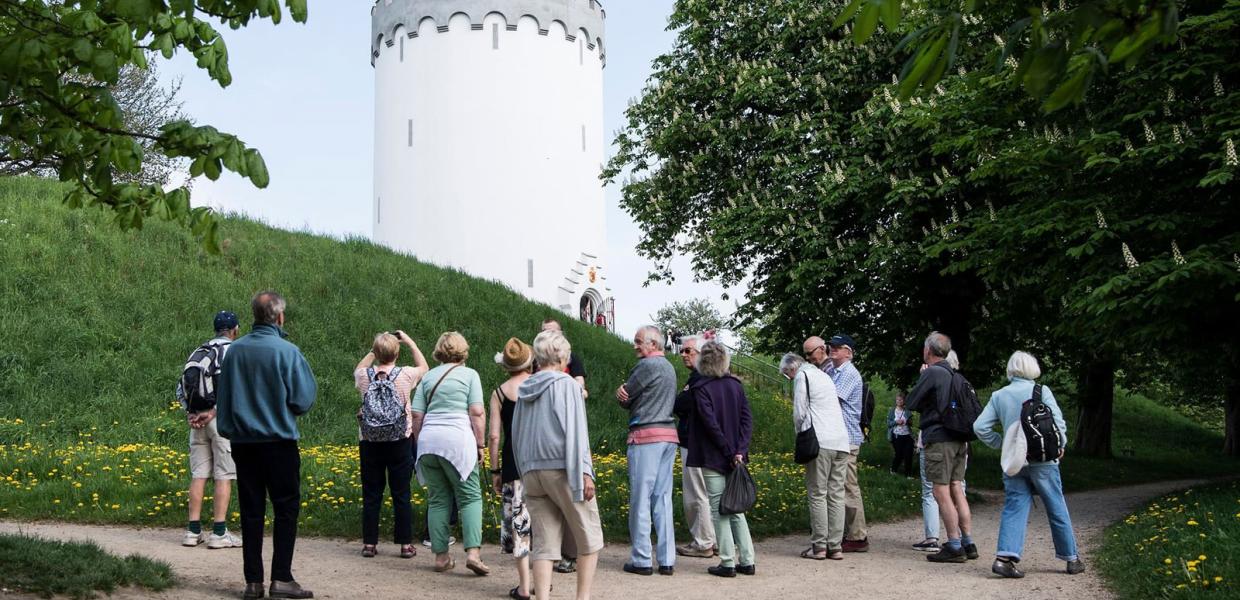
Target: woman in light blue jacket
[1041, 478]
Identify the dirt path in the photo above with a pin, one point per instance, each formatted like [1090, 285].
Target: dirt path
[891, 569]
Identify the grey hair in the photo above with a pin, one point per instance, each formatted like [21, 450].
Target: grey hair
[953, 360]
[551, 348]
[651, 335]
[267, 306]
[713, 360]
[1023, 365]
[791, 361]
[938, 344]
[695, 339]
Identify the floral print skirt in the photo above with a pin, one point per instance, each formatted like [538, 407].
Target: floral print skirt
[514, 536]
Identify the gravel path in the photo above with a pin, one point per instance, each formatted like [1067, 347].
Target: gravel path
[891, 569]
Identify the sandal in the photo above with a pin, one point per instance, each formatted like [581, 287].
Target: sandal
[479, 568]
[448, 566]
[408, 551]
[812, 554]
[513, 593]
[369, 551]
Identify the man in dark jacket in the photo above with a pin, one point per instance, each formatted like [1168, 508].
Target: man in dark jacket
[693, 484]
[264, 385]
[946, 455]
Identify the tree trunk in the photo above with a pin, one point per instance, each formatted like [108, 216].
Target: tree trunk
[1231, 418]
[1093, 430]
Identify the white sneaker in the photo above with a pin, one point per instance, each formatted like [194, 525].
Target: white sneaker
[451, 541]
[192, 539]
[228, 540]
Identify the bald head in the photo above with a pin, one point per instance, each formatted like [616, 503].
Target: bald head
[815, 350]
[268, 307]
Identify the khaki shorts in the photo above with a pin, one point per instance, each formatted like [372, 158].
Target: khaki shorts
[210, 455]
[946, 462]
[553, 515]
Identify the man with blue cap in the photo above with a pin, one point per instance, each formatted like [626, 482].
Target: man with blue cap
[210, 454]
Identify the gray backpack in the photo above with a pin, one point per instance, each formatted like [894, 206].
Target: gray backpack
[383, 416]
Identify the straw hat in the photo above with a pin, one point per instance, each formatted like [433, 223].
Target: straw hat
[517, 356]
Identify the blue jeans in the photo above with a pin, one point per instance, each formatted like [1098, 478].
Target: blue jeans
[650, 490]
[929, 506]
[1041, 479]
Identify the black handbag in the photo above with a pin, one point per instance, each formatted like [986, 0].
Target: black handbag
[807, 441]
[739, 493]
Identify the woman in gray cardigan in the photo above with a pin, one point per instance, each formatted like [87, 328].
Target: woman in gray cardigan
[551, 445]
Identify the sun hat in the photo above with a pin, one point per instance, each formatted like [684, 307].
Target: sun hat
[517, 356]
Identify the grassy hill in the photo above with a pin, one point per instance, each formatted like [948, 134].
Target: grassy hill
[97, 322]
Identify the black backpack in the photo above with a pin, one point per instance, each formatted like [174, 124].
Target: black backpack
[962, 408]
[867, 409]
[1041, 432]
[196, 387]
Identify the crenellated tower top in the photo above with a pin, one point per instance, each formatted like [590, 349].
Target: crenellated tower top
[573, 15]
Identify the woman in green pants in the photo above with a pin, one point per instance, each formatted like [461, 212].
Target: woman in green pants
[448, 424]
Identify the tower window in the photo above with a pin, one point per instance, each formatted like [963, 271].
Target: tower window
[402, 48]
[410, 133]
[378, 209]
[529, 269]
[495, 36]
[583, 138]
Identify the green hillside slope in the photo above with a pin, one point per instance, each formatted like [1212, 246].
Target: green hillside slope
[98, 322]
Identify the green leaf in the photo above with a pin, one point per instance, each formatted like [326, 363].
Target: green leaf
[257, 168]
[840, 20]
[867, 22]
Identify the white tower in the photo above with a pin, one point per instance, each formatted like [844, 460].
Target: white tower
[489, 142]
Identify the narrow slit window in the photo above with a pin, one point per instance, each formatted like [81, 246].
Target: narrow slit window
[495, 36]
[583, 138]
[378, 209]
[529, 269]
[410, 133]
[581, 51]
[402, 48]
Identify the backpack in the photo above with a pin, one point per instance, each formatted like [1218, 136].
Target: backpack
[1041, 432]
[383, 417]
[962, 408]
[867, 409]
[196, 388]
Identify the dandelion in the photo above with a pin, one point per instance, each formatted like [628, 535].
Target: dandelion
[1191, 522]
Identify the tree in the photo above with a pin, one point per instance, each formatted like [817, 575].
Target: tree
[1062, 49]
[689, 317]
[147, 105]
[58, 64]
[964, 209]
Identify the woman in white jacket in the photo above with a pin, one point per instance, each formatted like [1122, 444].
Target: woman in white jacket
[815, 402]
[1041, 478]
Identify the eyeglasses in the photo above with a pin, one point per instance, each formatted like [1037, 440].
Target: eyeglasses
[811, 352]
[688, 350]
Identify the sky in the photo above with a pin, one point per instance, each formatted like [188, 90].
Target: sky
[304, 96]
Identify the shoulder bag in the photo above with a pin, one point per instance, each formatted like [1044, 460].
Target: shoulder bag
[807, 441]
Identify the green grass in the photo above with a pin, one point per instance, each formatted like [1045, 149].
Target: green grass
[97, 323]
[1184, 545]
[34, 565]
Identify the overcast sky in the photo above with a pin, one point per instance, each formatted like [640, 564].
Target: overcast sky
[304, 96]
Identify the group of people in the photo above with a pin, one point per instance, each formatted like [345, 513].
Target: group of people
[243, 396]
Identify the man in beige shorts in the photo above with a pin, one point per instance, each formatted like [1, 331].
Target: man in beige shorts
[210, 455]
[946, 454]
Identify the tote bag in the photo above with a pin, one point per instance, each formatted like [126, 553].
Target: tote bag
[739, 493]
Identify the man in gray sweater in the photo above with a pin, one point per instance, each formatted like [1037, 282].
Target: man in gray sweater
[649, 395]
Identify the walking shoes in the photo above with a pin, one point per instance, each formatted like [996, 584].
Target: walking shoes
[288, 589]
[692, 550]
[947, 554]
[1006, 568]
[857, 545]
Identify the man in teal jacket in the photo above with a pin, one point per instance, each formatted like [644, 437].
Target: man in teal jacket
[264, 384]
